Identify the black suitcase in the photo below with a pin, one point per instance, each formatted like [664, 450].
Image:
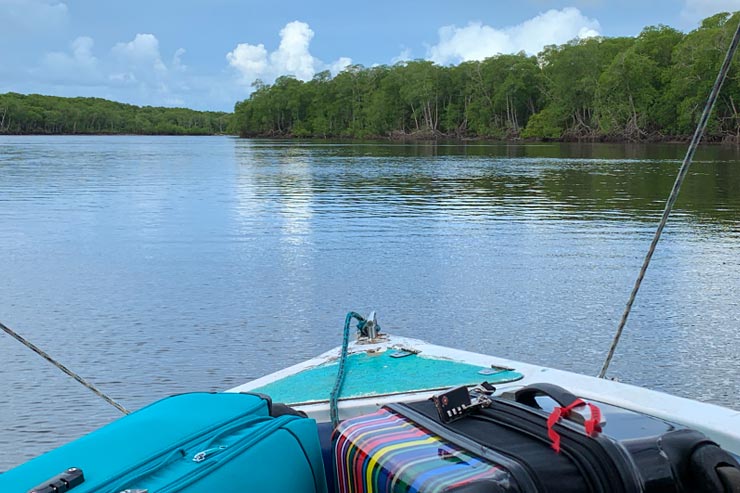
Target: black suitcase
[634, 453]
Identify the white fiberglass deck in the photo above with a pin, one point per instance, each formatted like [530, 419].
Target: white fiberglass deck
[377, 379]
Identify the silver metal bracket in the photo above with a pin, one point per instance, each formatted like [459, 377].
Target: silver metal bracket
[371, 325]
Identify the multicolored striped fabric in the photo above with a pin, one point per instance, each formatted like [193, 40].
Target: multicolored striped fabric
[384, 452]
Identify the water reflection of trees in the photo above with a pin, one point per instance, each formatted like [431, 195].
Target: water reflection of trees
[552, 180]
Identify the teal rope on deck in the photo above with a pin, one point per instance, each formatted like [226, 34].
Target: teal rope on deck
[337, 389]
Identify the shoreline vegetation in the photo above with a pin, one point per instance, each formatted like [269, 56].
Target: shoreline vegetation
[35, 114]
[648, 88]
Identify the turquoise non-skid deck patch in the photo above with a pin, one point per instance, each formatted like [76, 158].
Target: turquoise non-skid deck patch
[380, 374]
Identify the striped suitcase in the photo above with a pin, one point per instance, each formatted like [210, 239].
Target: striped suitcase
[199, 442]
[385, 452]
[540, 439]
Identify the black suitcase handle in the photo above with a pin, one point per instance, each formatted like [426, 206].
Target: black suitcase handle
[527, 395]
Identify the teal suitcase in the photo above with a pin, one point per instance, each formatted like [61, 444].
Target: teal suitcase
[190, 443]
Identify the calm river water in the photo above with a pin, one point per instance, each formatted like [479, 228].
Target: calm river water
[157, 265]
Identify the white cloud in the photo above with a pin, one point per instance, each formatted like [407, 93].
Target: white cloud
[135, 71]
[32, 15]
[79, 65]
[340, 64]
[177, 60]
[142, 53]
[404, 56]
[696, 10]
[134, 68]
[477, 41]
[292, 57]
[138, 64]
[249, 60]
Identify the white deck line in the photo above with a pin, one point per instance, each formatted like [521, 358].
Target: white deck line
[719, 423]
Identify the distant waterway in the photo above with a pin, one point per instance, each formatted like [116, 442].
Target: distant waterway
[159, 265]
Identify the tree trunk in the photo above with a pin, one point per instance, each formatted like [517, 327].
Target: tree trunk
[514, 119]
[734, 116]
[413, 113]
[436, 114]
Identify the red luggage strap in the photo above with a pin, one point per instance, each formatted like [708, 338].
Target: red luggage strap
[591, 425]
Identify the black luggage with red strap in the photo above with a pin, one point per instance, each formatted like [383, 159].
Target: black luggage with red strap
[557, 445]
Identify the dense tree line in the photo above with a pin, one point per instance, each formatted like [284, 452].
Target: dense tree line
[35, 114]
[649, 87]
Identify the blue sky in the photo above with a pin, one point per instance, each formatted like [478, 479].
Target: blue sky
[205, 54]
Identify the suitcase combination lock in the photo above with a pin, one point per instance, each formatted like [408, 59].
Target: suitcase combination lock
[61, 482]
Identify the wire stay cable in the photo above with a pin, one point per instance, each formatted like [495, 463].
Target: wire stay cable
[698, 134]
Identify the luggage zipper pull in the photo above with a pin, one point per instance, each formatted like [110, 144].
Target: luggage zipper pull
[204, 454]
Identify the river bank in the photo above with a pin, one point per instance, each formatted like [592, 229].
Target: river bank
[439, 137]
[409, 138]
